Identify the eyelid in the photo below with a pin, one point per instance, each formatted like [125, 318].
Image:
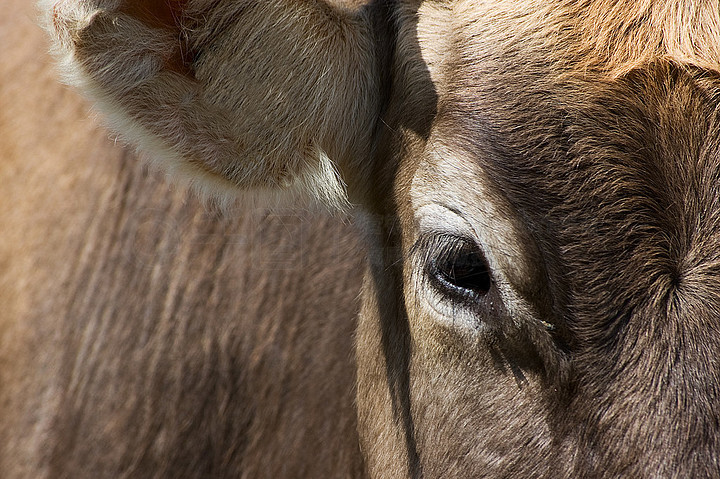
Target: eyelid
[459, 307]
[438, 242]
[510, 263]
[438, 247]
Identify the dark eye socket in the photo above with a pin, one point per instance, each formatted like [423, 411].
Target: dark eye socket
[459, 270]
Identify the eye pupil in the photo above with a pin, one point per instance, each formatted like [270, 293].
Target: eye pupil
[462, 270]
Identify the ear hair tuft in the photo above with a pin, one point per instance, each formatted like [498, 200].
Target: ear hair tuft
[281, 96]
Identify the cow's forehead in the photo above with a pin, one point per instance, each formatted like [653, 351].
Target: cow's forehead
[610, 36]
[608, 156]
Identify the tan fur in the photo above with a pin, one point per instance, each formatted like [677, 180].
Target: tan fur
[229, 125]
[138, 330]
[602, 36]
[587, 132]
[226, 125]
[618, 36]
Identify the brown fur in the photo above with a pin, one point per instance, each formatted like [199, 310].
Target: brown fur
[606, 161]
[139, 331]
[232, 135]
[574, 145]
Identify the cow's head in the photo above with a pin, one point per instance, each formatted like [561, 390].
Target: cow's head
[539, 182]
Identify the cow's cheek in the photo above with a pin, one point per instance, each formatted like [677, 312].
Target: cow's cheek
[472, 411]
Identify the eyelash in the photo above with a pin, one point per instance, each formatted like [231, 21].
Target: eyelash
[455, 267]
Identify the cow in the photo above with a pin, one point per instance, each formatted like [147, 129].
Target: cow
[144, 334]
[535, 184]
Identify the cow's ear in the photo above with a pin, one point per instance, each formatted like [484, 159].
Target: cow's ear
[231, 95]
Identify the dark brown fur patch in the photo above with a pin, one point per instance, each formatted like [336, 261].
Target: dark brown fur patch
[617, 180]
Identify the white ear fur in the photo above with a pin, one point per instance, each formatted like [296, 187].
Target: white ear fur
[283, 93]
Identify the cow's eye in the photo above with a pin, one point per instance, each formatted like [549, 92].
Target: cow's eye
[458, 269]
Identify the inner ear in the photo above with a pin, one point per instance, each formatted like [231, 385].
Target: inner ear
[156, 13]
[165, 14]
[280, 97]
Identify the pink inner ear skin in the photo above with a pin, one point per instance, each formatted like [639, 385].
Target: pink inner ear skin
[164, 14]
